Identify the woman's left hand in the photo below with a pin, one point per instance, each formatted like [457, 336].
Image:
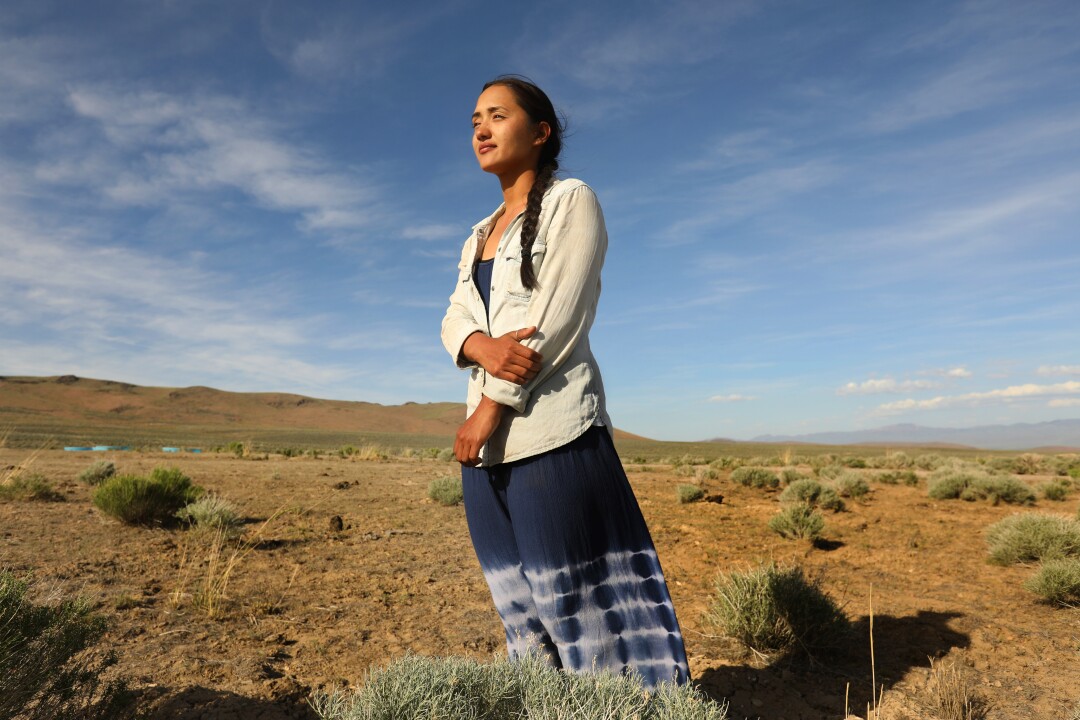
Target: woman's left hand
[475, 431]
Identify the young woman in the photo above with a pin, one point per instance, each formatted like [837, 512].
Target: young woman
[559, 535]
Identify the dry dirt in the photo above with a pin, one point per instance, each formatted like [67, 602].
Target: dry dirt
[311, 607]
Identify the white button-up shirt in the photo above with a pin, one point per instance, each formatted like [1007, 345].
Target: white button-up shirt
[567, 396]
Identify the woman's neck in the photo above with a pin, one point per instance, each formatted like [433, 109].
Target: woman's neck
[516, 189]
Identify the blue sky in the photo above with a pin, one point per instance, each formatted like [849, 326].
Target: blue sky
[823, 216]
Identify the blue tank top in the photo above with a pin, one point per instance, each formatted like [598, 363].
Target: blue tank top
[482, 280]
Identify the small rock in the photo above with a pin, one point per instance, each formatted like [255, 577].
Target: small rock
[336, 524]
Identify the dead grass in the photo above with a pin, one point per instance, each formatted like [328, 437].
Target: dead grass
[953, 695]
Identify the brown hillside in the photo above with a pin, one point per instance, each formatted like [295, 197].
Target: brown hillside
[71, 400]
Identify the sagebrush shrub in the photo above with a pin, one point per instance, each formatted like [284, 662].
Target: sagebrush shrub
[851, 485]
[895, 477]
[772, 609]
[97, 473]
[1055, 491]
[28, 487]
[150, 500]
[853, 461]
[528, 687]
[39, 678]
[446, 490]
[212, 512]
[447, 455]
[812, 492]
[755, 477]
[790, 475]
[830, 472]
[798, 521]
[1030, 537]
[999, 489]
[684, 470]
[1057, 581]
[931, 461]
[689, 493]
[706, 473]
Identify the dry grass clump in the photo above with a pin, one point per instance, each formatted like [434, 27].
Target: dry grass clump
[706, 473]
[97, 473]
[39, 677]
[152, 500]
[1031, 537]
[455, 687]
[851, 485]
[689, 493]
[953, 695]
[777, 610]
[212, 512]
[813, 493]
[446, 490]
[1057, 581]
[28, 487]
[755, 477]
[798, 521]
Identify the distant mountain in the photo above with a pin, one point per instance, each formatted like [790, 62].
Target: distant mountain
[1053, 435]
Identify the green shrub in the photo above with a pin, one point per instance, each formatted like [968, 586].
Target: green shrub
[756, 477]
[28, 487]
[726, 462]
[830, 472]
[1057, 581]
[212, 512]
[97, 473]
[1074, 473]
[930, 461]
[897, 461]
[773, 609]
[1031, 537]
[999, 489]
[237, 448]
[528, 687]
[447, 455]
[1055, 491]
[798, 521]
[138, 500]
[790, 475]
[895, 477]
[851, 485]
[854, 461]
[290, 452]
[446, 490]
[706, 473]
[684, 470]
[813, 493]
[689, 493]
[40, 679]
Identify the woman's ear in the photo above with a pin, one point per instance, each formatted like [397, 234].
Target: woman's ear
[543, 132]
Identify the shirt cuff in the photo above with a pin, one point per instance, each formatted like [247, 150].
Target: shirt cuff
[457, 341]
[506, 393]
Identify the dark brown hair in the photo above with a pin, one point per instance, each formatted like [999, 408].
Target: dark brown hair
[538, 107]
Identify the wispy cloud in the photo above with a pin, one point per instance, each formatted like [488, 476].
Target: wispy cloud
[885, 385]
[1008, 394]
[1052, 370]
[958, 372]
[166, 147]
[733, 398]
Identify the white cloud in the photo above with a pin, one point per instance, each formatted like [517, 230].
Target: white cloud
[1008, 394]
[1064, 402]
[735, 397]
[958, 372]
[884, 385]
[163, 149]
[443, 231]
[1058, 370]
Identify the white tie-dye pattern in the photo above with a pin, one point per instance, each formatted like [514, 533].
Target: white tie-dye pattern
[583, 639]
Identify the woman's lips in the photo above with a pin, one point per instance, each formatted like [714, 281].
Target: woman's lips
[484, 147]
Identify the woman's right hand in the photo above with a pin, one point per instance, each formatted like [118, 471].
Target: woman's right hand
[504, 356]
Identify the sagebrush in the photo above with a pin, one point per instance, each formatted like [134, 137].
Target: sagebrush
[1057, 581]
[777, 610]
[798, 521]
[455, 687]
[97, 473]
[1031, 537]
[40, 678]
[446, 490]
[152, 500]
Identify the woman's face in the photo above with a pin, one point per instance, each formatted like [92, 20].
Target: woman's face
[505, 139]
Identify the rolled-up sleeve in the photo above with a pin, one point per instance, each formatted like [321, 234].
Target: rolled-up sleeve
[459, 323]
[563, 304]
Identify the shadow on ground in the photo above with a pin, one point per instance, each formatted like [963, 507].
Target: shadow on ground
[793, 690]
[200, 703]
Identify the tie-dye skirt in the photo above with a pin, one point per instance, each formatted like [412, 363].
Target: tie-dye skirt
[570, 563]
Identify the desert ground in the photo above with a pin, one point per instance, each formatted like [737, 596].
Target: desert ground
[310, 607]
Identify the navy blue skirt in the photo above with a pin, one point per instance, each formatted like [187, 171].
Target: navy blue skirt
[570, 562]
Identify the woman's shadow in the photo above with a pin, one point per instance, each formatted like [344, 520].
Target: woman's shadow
[828, 686]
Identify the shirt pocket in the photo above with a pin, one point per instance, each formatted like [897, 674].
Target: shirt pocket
[516, 292]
